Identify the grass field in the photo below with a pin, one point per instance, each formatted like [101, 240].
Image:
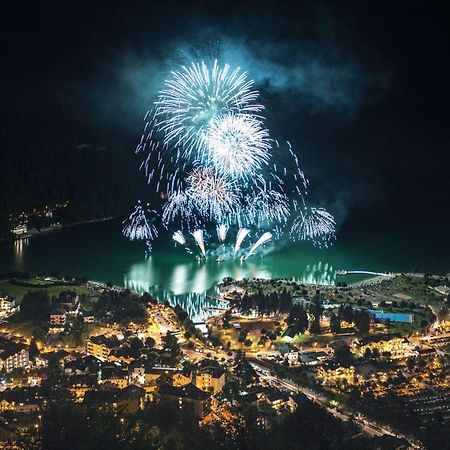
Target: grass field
[14, 290]
[22, 328]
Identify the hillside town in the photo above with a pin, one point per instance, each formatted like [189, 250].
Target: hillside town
[363, 353]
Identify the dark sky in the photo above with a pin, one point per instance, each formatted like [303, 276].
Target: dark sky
[361, 89]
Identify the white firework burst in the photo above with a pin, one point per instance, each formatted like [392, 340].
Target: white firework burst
[207, 197]
[316, 225]
[196, 94]
[237, 145]
[265, 207]
[138, 226]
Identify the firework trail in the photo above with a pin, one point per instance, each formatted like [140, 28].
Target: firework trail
[222, 231]
[178, 236]
[198, 236]
[267, 236]
[242, 233]
[138, 227]
[237, 145]
[316, 225]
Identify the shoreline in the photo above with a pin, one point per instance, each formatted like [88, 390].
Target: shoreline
[55, 228]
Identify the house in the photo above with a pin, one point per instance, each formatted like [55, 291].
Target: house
[394, 343]
[101, 346]
[21, 400]
[14, 356]
[36, 376]
[70, 302]
[114, 374]
[312, 358]
[182, 378]
[211, 379]
[137, 375]
[189, 398]
[58, 319]
[89, 318]
[78, 385]
[20, 229]
[128, 400]
[82, 366]
[281, 400]
[292, 358]
[7, 303]
[152, 376]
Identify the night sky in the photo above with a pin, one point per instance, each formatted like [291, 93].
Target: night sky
[361, 89]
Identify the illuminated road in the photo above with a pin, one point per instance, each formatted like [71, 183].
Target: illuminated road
[343, 414]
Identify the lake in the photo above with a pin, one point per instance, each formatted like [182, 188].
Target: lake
[98, 251]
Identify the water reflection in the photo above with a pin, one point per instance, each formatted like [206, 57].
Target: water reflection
[19, 249]
[319, 273]
[192, 284]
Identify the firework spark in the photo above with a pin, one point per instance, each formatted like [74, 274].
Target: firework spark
[267, 236]
[138, 227]
[266, 206]
[316, 225]
[222, 231]
[198, 236]
[178, 236]
[242, 233]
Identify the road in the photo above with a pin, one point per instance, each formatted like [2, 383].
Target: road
[344, 413]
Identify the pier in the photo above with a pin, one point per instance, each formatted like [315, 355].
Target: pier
[362, 272]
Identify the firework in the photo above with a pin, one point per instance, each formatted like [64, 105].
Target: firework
[178, 236]
[138, 227]
[222, 231]
[242, 233]
[195, 95]
[266, 206]
[207, 197]
[209, 156]
[316, 225]
[267, 236]
[198, 236]
[237, 145]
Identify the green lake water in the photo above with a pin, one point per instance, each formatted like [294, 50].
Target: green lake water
[98, 251]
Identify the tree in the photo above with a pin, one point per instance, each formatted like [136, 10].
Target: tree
[314, 328]
[35, 305]
[317, 308]
[335, 324]
[39, 334]
[170, 343]
[410, 363]
[362, 322]
[343, 354]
